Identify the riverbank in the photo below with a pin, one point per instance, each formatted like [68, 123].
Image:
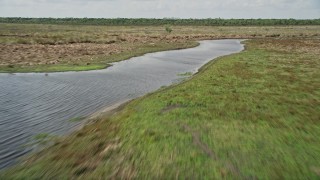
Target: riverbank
[56, 48]
[248, 115]
[49, 103]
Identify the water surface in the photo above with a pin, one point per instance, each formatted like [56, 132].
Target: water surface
[34, 103]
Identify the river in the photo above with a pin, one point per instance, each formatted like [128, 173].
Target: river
[35, 103]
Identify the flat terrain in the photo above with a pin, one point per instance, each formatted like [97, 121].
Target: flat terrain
[252, 115]
[47, 48]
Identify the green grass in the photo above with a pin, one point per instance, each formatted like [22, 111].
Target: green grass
[41, 136]
[77, 119]
[185, 74]
[250, 115]
[42, 139]
[50, 68]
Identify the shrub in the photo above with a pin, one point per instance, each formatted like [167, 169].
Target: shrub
[168, 29]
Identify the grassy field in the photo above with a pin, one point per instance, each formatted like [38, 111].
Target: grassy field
[48, 48]
[245, 116]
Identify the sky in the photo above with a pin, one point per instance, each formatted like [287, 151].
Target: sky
[297, 9]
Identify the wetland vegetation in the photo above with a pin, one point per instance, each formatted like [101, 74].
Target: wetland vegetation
[51, 48]
[251, 115]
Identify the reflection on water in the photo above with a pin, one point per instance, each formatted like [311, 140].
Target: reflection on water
[36, 103]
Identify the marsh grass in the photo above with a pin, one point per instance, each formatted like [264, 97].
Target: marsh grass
[51, 68]
[77, 119]
[37, 47]
[42, 139]
[252, 115]
[185, 74]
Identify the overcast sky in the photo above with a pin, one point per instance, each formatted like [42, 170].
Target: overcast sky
[299, 9]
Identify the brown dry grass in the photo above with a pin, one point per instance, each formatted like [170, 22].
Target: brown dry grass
[36, 54]
[32, 45]
[292, 45]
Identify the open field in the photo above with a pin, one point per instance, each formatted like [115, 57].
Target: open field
[47, 48]
[245, 116]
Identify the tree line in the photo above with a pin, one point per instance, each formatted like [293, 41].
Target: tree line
[164, 21]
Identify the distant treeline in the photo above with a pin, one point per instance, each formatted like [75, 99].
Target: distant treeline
[165, 21]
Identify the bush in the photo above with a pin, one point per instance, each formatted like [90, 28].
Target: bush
[168, 29]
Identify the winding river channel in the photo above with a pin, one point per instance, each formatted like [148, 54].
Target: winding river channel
[35, 103]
